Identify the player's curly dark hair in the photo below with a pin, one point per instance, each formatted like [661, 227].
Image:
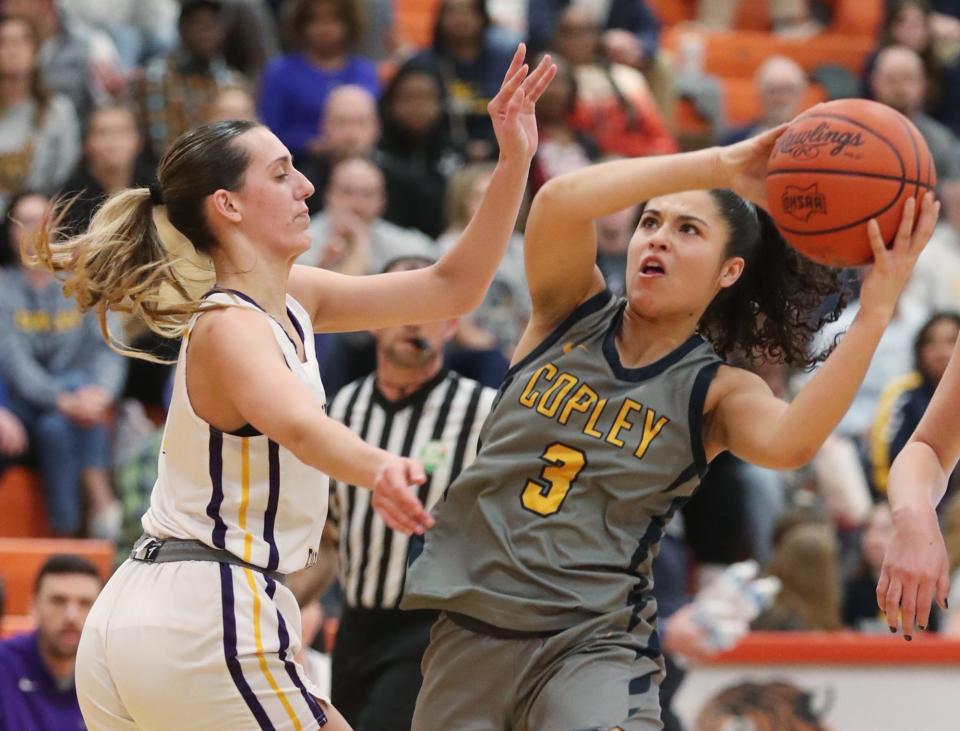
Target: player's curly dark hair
[780, 301]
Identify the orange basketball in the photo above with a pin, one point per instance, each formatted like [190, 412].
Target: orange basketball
[838, 165]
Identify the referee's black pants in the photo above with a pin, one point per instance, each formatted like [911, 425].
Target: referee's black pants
[376, 666]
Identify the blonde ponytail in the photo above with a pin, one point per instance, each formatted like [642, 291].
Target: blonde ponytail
[143, 252]
[123, 264]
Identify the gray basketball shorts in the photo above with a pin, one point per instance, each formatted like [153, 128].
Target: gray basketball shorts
[595, 676]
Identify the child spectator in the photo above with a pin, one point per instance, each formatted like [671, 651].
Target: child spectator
[905, 399]
[416, 151]
[63, 380]
[322, 35]
[39, 134]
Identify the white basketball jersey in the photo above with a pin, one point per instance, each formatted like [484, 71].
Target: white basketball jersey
[241, 491]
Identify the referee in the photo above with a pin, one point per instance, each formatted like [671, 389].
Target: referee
[413, 407]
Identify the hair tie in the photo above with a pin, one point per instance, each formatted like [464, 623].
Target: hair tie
[156, 193]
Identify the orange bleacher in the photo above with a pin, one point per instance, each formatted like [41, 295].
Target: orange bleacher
[22, 511]
[20, 560]
[413, 21]
[734, 56]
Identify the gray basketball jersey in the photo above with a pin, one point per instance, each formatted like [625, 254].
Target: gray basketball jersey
[582, 463]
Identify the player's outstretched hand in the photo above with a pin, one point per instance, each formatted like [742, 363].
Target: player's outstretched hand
[744, 165]
[512, 109]
[892, 267]
[395, 501]
[916, 571]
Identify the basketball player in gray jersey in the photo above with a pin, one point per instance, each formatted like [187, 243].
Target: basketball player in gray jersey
[540, 559]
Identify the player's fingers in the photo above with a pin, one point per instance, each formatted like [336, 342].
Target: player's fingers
[908, 608]
[406, 501]
[535, 84]
[929, 214]
[765, 141]
[515, 62]
[902, 239]
[394, 517]
[891, 604]
[943, 587]
[415, 473]
[509, 88]
[924, 602]
[877, 246]
[883, 583]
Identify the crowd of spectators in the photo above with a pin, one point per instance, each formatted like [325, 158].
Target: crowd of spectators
[397, 142]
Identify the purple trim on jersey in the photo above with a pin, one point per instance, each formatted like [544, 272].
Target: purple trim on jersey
[296, 323]
[230, 650]
[216, 480]
[291, 669]
[270, 516]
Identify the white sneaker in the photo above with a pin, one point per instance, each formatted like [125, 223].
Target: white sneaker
[107, 522]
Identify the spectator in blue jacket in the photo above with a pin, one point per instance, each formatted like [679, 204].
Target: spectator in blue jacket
[322, 35]
[62, 380]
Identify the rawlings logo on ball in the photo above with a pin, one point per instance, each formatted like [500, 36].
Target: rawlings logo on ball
[801, 203]
[806, 144]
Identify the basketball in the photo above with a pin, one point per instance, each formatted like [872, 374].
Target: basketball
[838, 165]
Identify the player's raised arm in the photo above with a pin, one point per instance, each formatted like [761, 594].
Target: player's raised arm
[916, 569]
[457, 283]
[560, 240]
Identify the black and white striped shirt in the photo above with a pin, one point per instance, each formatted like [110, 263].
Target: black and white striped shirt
[439, 424]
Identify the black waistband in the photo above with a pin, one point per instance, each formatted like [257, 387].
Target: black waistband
[472, 624]
[157, 550]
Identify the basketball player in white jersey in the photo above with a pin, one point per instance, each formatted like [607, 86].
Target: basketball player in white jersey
[197, 630]
[916, 569]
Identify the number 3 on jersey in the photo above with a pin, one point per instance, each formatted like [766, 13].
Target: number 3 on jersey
[545, 495]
